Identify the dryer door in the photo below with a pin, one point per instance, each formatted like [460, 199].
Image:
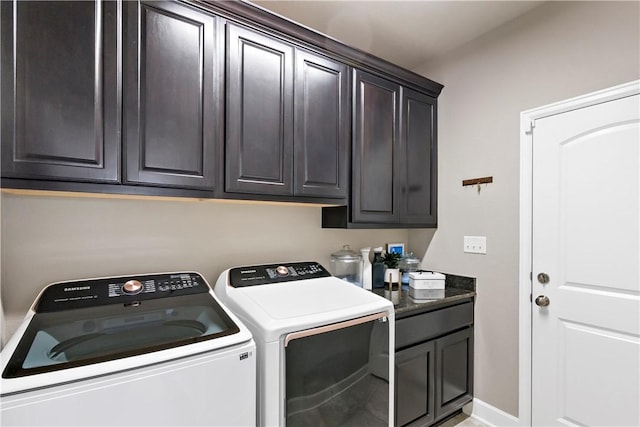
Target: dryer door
[338, 374]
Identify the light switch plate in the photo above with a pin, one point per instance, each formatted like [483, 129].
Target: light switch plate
[475, 244]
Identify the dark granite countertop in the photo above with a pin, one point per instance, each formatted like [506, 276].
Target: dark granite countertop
[456, 288]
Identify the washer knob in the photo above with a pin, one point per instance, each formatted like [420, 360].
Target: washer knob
[132, 287]
[282, 271]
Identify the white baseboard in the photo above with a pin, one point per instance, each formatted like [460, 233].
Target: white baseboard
[489, 415]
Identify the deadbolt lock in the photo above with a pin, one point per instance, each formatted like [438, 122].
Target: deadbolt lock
[543, 278]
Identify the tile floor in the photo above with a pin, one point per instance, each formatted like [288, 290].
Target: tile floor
[463, 420]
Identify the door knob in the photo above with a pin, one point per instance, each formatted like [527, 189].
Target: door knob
[543, 278]
[542, 301]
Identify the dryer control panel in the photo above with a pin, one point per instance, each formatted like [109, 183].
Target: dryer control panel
[118, 290]
[275, 273]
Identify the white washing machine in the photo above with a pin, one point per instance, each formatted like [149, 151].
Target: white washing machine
[156, 349]
[325, 346]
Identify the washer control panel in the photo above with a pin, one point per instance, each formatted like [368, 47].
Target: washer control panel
[275, 273]
[123, 290]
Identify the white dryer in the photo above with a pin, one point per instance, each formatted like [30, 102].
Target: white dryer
[325, 346]
[155, 349]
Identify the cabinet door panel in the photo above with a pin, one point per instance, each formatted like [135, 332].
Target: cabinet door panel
[419, 186]
[375, 149]
[173, 104]
[454, 370]
[60, 102]
[260, 114]
[415, 384]
[321, 115]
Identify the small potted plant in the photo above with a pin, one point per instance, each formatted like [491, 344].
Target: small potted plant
[392, 272]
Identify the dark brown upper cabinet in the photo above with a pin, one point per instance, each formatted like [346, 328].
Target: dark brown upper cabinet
[394, 158]
[173, 86]
[259, 143]
[321, 120]
[60, 115]
[287, 119]
[419, 161]
[211, 99]
[376, 146]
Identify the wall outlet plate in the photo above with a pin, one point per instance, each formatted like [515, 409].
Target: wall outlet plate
[475, 244]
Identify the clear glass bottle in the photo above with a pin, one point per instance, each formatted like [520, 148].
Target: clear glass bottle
[346, 264]
[408, 264]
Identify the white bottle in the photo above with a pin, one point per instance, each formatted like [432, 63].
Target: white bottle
[366, 269]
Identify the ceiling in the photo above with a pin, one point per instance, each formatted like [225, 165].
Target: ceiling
[407, 33]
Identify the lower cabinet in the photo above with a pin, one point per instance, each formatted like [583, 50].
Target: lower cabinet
[434, 365]
[415, 384]
[454, 371]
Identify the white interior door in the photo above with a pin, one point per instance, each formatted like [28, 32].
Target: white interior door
[586, 239]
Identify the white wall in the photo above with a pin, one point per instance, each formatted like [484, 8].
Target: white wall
[556, 51]
[54, 238]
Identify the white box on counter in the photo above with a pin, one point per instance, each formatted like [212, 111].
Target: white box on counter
[426, 280]
[418, 295]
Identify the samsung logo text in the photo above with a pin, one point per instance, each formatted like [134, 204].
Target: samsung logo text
[77, 288]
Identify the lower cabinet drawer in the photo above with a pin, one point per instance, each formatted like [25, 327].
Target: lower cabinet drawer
[422, 327]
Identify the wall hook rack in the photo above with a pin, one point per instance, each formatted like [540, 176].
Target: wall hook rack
[477, 181]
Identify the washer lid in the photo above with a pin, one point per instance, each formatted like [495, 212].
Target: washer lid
[57, 339]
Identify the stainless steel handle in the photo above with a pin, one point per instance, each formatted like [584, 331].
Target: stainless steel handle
[542, 301]
[543, 278]
[332, 327]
